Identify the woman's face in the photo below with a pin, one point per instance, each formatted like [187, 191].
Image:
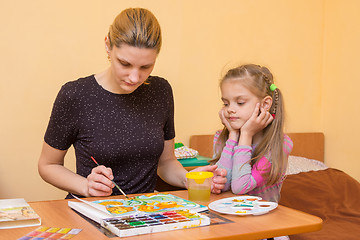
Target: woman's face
[130, 67]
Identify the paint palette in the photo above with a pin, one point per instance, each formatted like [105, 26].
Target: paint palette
[242, 205]
[155, 222]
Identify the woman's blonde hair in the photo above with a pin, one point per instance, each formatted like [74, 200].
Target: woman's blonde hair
[258, 80]
[137, 27]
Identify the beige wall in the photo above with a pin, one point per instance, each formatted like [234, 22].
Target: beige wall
[47, 43]
[340, 116]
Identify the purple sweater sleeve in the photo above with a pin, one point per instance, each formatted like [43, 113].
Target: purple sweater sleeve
[226, 161]
[244, 177]
[241, 177]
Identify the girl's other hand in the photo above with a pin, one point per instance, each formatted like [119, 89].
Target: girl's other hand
[259, 119]
[99, 181]
[233, 133]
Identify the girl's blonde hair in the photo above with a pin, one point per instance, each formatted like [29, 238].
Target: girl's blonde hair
[258, 80]
[137, 27]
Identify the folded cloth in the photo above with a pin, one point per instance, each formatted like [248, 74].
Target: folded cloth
[185, 152]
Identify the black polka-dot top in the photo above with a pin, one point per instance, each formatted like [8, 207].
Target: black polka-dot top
[125, 132]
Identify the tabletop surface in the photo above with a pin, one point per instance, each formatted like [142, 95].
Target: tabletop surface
[280, 221]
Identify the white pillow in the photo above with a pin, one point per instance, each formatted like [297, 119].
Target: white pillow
[301, 164]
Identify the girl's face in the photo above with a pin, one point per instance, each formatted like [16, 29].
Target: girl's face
[130, 67]
[239, 102]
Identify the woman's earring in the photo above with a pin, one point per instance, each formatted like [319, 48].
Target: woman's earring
[108, 56]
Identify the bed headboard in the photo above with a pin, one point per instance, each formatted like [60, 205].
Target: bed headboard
[307, 144]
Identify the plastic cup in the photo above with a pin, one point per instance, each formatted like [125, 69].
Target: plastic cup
[199, 186]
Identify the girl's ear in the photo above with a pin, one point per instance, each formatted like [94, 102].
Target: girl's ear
[266, 103]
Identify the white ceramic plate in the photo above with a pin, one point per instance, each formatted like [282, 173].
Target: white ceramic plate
[242, 205]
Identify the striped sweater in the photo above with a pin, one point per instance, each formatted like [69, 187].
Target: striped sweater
[244, 179]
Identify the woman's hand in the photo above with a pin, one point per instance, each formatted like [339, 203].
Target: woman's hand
[233, 133]
[99, 181]
[259, 119]
[219, 179]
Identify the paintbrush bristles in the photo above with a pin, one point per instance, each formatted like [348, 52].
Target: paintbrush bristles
[120, 189]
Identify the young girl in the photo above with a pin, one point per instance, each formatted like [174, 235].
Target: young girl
[252, 146]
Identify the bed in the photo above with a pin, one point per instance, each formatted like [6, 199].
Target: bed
[313, 187]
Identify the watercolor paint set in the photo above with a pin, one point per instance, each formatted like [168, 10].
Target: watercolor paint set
[141, 204]
[154, 222]
[242, 205]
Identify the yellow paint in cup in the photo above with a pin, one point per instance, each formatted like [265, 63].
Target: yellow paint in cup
[199, 186]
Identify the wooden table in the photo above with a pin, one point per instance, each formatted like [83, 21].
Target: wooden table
[281, 221]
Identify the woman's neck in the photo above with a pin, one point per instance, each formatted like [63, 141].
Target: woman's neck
[104, 79]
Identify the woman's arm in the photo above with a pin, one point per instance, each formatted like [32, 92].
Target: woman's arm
[169, 168]
[172, 172]
[51, 168]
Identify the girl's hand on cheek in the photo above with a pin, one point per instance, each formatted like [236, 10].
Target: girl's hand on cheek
[224, 121]
[259, 119]
[233, 133]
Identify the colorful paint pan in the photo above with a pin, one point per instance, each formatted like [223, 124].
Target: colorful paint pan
[157, 222]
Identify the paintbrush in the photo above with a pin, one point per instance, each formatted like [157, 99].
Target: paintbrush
[111, 180]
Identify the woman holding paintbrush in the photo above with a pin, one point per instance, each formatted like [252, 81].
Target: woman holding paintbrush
[122, 117]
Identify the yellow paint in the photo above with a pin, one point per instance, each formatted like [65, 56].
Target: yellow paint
[240, 212]
[199, 194]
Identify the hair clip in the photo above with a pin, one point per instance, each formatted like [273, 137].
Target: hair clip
[273, 87]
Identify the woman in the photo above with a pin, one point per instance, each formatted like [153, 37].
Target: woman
[123, 117]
